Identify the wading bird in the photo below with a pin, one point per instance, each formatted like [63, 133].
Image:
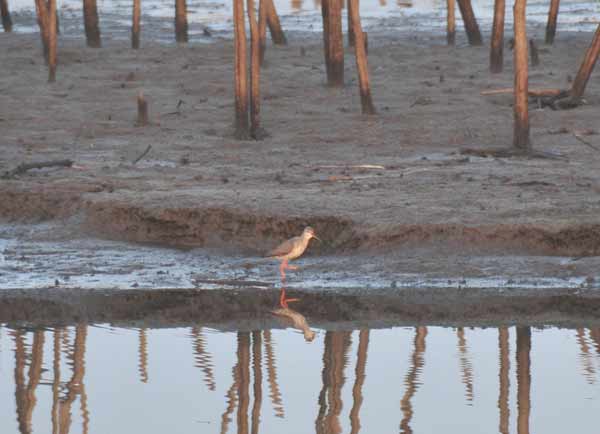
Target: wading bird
[292, 249]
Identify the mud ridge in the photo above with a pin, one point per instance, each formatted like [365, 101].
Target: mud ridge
[227, 228]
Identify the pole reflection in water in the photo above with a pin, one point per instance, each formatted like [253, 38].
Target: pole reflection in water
[143, 355]
[465, 364]
[272, 376]
[504, 381]
[523, 378]
[257, 373]
[203, 358]
[411, 381]
[359, 375]
[49, 388]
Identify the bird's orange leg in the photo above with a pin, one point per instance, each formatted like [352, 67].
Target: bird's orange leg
[283, 300]
[282, 268]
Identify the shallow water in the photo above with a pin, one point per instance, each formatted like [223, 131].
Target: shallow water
[300, 15]
[104, 379]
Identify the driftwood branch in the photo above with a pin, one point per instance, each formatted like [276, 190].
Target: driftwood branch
[531, 92]
[24, 167]
[143, 154]
[585, 142]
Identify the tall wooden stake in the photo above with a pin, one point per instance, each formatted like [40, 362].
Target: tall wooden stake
[586, 68]
[135, 24]
[181, 22]
[362, 65]
[551, 26]
[277, 35]
[254, 72]
[497, 46]
[521, 104]
[333, 40]
[351, 37]
[241, 71]
[52, 41]
[6, 21]
[262, 29]
[90, 21]
[471, 26]
[41, 7]
[451, 22]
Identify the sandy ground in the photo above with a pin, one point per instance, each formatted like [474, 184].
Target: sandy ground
[198, 186]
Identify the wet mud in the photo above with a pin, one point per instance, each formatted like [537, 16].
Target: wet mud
[251, 308]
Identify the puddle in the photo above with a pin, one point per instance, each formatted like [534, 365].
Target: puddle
[298, 15]
[422, 379]
[44, 256]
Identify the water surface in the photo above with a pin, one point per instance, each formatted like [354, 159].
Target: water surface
[422, 379]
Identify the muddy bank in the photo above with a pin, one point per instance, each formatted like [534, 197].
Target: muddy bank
[370, 183]
[249, 307]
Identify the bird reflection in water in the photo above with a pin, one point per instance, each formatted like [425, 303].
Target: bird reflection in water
[296, 320]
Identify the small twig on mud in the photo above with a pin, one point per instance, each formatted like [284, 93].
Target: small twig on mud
[143, 154]
[531, 92]
[354, 166]
[509, 153]
[24, 167]
[585, 142]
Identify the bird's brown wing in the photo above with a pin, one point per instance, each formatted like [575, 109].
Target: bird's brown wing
[282, 249]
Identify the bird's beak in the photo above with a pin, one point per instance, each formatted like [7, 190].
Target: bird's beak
[317, 238]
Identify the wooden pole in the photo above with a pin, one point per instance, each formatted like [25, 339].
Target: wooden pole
[135, 24]
[362, 65]
[277, 35]
[551, 26]
[471, 27]
[262, 29]
[6, 21]
[351, 37]
[521, 108]
[181, 22]
[534, 53]
[142, 110]
[586, 68]
[41, 7]
[334, 41]
[497, 45]
[241, 72]
[254, 71]
[52, 41]
[90, 21]
[451, 22]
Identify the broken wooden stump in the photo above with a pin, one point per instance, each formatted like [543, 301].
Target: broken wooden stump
[90, 21]
[135, 24]
[534, 53]
[497, 44]
[471, 26]
[52, 41]
[362, 64]
[240, 71]
[521, 140]
[254, 72]
[142, 110]
[333, 42]
[181, 21]
[5, 13]
[451, 22]
[551, 25]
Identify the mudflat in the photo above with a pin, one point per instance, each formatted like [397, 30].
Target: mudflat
[364, 182]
